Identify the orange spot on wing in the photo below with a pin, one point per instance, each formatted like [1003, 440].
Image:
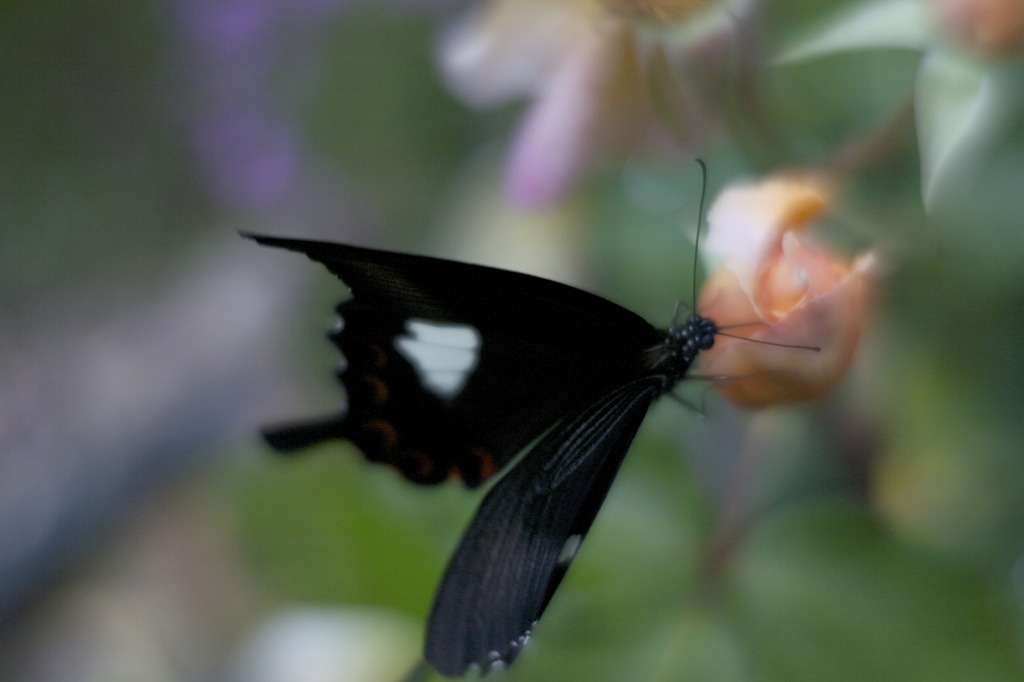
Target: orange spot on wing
[418, 465]
[378, 358]
[378, 388]
[382, 431]
[485, 461]
[476, 467]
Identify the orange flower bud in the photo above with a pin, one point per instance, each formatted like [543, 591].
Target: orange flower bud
[786, 291]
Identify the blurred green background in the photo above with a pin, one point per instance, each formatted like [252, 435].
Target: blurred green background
[148, 534]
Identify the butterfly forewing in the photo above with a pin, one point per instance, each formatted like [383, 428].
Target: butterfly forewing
[524, 536]
[538, 344]
[488, 298]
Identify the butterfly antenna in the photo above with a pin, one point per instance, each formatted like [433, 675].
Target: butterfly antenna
[696, 254]
[722, 332]
[797, 346]
[700, 221]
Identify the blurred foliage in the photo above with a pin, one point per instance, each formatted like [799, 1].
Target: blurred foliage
[385, 110]
[876, 536]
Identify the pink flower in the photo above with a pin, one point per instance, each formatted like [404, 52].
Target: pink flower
[787, 291]
[587, 66]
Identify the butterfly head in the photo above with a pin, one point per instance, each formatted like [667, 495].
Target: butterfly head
[679, 346]
[695, 334]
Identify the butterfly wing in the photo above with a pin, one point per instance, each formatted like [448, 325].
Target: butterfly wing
[449, 291]
[526, 351]
[524, 536]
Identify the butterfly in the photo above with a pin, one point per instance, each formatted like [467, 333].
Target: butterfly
[451, 370]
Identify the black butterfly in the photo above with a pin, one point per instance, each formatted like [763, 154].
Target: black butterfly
[517, 360]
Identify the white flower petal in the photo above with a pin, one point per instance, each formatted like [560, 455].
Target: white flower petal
[507, 48]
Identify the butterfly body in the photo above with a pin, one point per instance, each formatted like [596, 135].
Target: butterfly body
[451, 370]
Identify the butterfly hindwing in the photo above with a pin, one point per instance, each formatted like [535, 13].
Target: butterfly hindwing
[526, 532]
[537, 344]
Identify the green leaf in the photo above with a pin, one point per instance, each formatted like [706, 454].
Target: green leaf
[703, 647]
[962, 104]
[824, 593]
[896, 24]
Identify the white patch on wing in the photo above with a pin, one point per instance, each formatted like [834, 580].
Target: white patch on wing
[569, 549]
[444, 355]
